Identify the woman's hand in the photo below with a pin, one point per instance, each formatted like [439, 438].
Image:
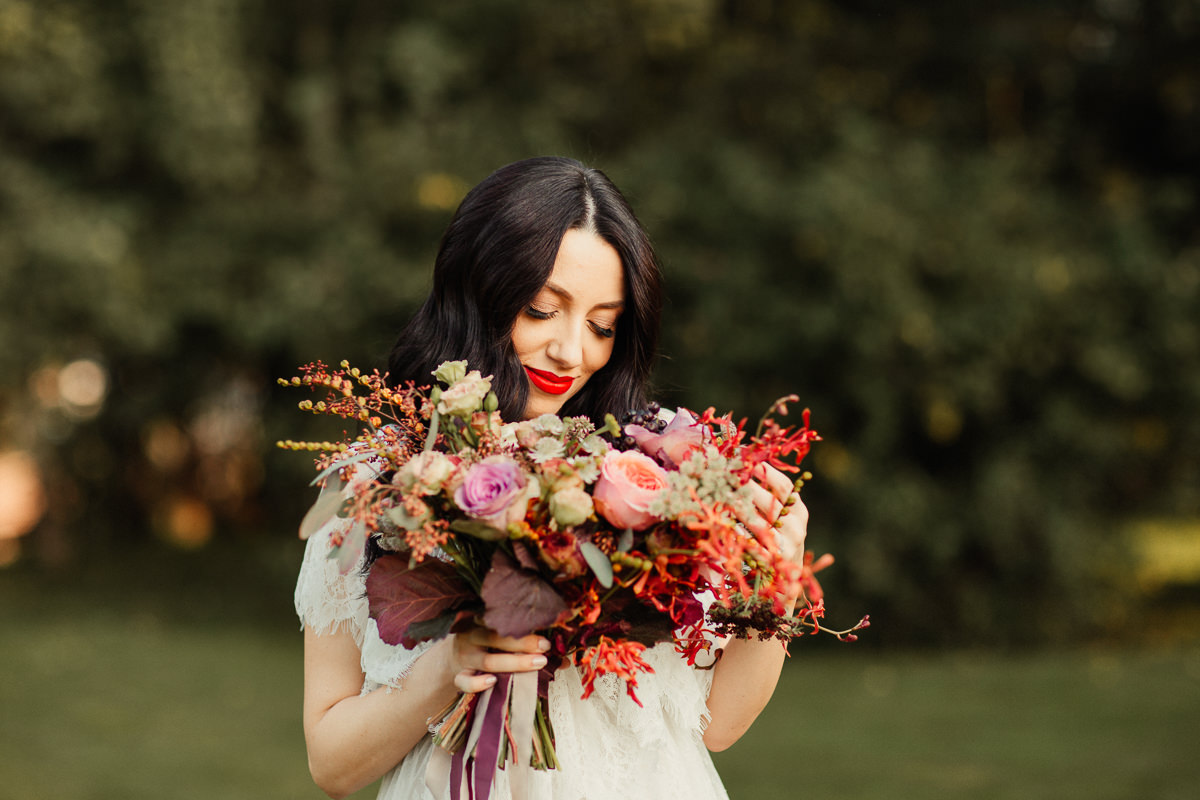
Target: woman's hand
[745, 677]
[476, 654]
[773, 493]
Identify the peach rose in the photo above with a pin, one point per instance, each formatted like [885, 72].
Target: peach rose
[629, 482]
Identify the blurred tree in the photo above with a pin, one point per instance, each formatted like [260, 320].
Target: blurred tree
[965, 234]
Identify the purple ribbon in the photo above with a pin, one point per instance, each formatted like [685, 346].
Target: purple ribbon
[471, 771]
[487, 752]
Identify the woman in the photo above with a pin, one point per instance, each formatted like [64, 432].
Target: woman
[545, 280]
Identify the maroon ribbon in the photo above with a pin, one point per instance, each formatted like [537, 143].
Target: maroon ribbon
[487, 751]
[476, 763]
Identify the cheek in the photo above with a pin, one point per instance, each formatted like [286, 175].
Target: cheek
[600, 354]
[522, 338]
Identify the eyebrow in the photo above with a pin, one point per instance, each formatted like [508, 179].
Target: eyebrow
[564, 294]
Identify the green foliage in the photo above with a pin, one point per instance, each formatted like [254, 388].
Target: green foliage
[964, 235]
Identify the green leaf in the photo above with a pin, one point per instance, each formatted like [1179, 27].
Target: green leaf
[480, 530]
[402, 519]
[625, 543]
[600, 564]
[345, 462]
[328, 503]
[350, 551]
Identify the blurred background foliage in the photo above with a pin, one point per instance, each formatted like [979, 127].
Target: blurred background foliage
[965, 234]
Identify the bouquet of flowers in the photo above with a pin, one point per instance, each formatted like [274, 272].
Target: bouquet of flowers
[605, 541]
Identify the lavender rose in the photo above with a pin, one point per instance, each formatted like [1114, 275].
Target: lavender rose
[495, 491]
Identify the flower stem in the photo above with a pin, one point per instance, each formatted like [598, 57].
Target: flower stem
[433, 430]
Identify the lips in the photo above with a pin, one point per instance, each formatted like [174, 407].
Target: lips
[548, 382]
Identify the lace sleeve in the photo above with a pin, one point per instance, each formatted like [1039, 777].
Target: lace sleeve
[326, 599]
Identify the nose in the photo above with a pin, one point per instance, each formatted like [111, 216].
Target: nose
[565, 347]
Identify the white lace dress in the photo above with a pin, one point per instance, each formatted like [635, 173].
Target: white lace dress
[608, 747]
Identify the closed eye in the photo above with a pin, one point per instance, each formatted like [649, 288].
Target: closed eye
[537, 313]
[601, 330]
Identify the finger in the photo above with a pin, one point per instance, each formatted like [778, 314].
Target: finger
[799, 511]
[766, 502]
[485, 661]
[793, 530]
[779, 484]
[471, 682]
[473, 655]
[485, 637]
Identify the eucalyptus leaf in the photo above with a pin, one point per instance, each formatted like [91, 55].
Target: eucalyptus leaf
[625, 543]
[402, 519]
[344, 462]
[328, 503]
[600, 564]
[478, 529]
[350, 551]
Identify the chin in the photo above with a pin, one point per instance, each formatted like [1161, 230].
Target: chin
[540, 403]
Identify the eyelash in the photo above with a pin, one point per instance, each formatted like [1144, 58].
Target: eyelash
[599, 330]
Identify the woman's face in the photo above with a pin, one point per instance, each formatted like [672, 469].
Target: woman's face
[567, 332]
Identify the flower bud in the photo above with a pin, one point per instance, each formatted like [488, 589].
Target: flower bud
[450, 372]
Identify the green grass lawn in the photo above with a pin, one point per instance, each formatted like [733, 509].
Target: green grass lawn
[167, 688]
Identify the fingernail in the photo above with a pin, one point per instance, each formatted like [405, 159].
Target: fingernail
[490, 680]
[539, 661]
[543, 645]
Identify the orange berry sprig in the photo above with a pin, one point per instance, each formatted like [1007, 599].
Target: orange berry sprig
[376, 403]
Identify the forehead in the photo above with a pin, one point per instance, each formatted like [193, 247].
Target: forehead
[587, 271]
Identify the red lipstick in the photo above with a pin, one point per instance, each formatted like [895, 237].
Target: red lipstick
[548, 382]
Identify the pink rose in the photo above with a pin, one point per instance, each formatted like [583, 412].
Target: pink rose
[629, 482]
[679, 439]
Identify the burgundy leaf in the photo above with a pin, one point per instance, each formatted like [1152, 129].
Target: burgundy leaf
[524, 557]
[399, 596]
[517, 601]
[431, 629]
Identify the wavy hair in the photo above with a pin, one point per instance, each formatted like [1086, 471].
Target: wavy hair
[494, 258]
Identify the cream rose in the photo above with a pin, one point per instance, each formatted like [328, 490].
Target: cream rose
[465, 397]
[570, 506]
[429, 471]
